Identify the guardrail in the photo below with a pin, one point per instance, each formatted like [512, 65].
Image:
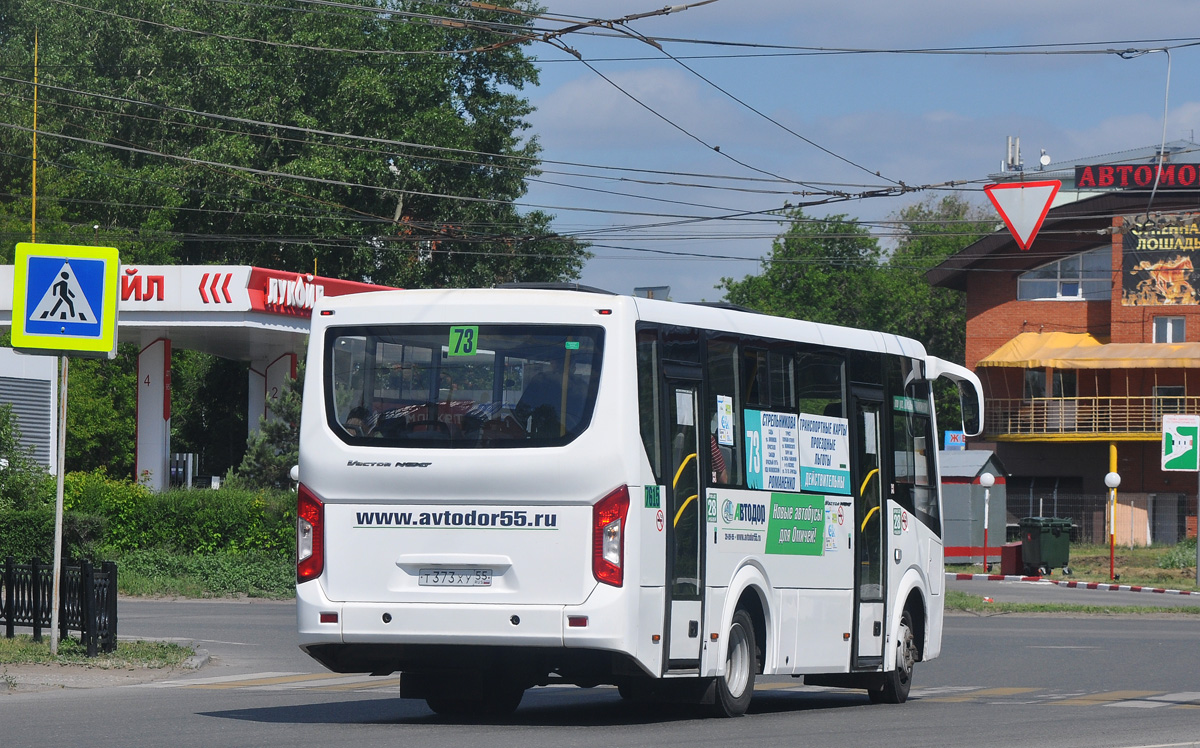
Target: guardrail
[1082, 415]
[87, 601]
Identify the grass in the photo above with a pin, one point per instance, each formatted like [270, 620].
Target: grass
[250, 574]
[1135, 566]
[961, 601]
[23, 650]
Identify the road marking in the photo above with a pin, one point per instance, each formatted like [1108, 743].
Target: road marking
[183, 683]
[374, 684]
[981, 694]
[264, 681]
[347, 683]
[1106, 697]
[1179, 698]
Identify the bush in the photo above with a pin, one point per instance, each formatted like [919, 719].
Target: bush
[29, 534]
[24, 482]
[189, 521]
[1182, 556]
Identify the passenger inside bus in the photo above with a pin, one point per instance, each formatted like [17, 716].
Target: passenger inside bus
[541, 411]
[356, 422]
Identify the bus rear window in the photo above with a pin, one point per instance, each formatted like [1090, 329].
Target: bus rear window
[462, 385]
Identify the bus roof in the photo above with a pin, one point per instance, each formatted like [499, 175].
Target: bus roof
[708, 316]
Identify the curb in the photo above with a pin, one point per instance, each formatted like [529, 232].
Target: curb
[196, 661]
[1064, 583]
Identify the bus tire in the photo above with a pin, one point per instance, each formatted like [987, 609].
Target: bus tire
[897, 683]
[735, 688]
[499, 700]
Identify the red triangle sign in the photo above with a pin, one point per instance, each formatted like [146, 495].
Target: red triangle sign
[1023, 206]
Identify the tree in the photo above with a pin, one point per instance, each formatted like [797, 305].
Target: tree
[195, 132]
[832, 270]
[208, 414]
[275, 447]
[24, 482]
[101, 400]
[930, 232]
[819, 269]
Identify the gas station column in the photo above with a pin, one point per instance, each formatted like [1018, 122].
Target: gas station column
[256, 397]
[154, 415]
[278, 372]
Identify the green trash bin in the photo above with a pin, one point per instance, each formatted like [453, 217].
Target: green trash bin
[1046, 543]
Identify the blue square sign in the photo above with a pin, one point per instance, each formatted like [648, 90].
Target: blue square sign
[65, 299]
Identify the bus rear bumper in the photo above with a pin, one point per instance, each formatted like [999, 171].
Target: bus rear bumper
[603, 623]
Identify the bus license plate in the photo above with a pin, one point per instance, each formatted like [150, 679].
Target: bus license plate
[456, 578]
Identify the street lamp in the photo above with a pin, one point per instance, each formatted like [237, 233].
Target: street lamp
[1112, 480]
[987, 480]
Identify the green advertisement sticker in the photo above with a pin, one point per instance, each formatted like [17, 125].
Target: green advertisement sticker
[464, 340]
[796, 525]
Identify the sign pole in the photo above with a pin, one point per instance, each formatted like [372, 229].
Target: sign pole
[58, 505]
[1112, 535]
[1181, 451]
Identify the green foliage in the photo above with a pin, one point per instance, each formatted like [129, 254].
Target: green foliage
[161, 572]
[831, 270]
[190, 521]
[208, 412]
[23, 649]
[930, 232]
[24, 482]
[29, 534]
[819, 269]
[275, 447]
[125, 505]
[1181, 556]
[101, 406]
[168, 185]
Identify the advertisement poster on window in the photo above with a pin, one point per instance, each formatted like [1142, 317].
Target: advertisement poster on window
[789, 452]
[1158, 266]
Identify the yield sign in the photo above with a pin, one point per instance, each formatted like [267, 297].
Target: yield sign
[1023, 206]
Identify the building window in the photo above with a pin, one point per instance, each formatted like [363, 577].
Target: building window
[1169, 330]
[1064, 384]
[1086, 276]
[1169, 400]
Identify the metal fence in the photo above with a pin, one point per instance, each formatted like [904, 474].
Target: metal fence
[1083, 415]
[1141, 519]
[87, 601]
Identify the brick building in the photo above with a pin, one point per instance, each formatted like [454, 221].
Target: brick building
[1087, 339]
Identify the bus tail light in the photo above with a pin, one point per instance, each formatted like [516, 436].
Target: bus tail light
[310, 535]
[608, 537]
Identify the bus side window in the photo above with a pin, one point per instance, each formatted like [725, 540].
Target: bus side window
[819, 384]
[724, 389]
[650, 397]
[914, 476]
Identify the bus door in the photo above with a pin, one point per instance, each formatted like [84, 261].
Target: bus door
[685, 527]
[870, 589]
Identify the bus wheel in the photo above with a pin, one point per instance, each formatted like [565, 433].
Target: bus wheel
[897, 683]
[451, 707]
[736, 686]
[500, 700]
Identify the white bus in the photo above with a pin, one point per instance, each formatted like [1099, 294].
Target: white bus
[514, 487]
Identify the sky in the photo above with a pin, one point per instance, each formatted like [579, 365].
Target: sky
[789, 121]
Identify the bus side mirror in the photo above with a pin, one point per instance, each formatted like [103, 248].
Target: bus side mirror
[970, 402]
[970, 392]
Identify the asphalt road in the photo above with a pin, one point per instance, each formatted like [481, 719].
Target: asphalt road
[1002, 681]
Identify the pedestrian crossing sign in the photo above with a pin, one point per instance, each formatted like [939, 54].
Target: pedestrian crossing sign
[65, 300]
